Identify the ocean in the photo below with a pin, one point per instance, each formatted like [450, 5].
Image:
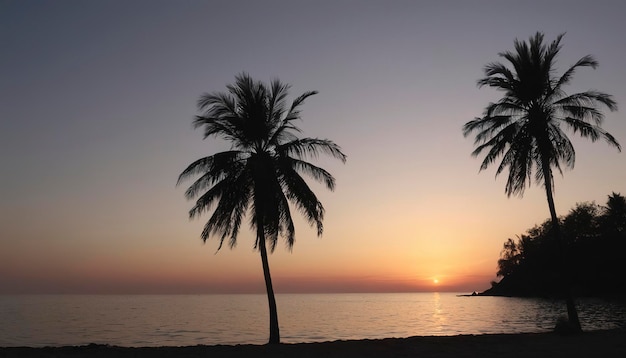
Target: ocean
[180, 320]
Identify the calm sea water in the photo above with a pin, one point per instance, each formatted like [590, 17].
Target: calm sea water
[175, 320]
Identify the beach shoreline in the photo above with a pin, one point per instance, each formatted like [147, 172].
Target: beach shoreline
[605, 343]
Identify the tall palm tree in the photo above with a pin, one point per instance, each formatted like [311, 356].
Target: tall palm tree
[262, 172]
[525, 127]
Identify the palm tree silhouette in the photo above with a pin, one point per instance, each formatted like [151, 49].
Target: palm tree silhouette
[525, 127]
[615, 213]
[261, 174]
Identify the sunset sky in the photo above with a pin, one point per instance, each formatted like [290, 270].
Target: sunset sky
[97, 100]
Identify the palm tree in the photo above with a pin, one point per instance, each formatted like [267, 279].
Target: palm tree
[261, 174]
[615, 213]
[525, 127]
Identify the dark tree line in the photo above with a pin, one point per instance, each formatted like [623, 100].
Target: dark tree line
[595, 244]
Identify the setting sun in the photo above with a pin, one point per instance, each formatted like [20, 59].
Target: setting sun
[435, 281]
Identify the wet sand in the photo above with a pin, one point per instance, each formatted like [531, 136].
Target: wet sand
[609, 343]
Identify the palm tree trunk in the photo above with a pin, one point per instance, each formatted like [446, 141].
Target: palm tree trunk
[271, 300]
[572, 313]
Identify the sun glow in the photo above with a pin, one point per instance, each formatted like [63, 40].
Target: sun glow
[435, 281]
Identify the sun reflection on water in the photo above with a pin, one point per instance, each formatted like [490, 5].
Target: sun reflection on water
[154, 320]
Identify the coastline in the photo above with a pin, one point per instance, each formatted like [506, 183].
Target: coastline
[605, 343]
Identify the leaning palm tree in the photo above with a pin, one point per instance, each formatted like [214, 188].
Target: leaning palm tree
[261, 174]
[526, 126]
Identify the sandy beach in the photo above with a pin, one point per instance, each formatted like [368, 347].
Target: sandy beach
[609, 343]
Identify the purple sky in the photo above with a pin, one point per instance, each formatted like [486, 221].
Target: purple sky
[96, 104]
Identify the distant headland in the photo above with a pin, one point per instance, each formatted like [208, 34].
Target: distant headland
[595, 242]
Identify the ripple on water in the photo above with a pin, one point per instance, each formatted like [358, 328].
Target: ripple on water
[238, 319]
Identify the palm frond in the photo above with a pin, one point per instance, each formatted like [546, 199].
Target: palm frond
[234, 197]
[588, 98]
[519, 163]
[294, 113]
[283, 133]
[498, 142]
[498, 76]
[593, 132]
[313, 171]
[215, 165]
[311, 147]
[298, 191]
[217, 104]
[566, 77]
[285, 222]
[505, 107]
[278, 93]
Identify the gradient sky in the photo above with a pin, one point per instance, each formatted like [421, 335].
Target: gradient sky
[97, 100]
